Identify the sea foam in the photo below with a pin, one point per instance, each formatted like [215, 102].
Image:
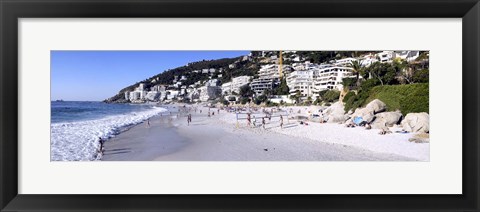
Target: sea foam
[78, 141]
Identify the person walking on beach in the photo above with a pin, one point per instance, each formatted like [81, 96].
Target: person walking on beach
[281, 121]
[263, 122]
[101, 141]
[249, 121]
[148, 123]
[189, 119]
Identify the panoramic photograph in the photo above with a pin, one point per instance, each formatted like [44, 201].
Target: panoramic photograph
[276, 105]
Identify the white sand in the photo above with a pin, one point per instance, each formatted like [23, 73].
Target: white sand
[217, 138]
[395, 143]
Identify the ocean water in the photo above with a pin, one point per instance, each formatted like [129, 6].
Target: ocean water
[77, 126]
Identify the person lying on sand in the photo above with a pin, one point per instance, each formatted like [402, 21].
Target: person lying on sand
[383, 132]
[368, 126]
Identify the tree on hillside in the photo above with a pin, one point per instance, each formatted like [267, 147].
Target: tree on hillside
[386, 73]
[267, 92]
[357, 69]
[296, 96]
[413, 72]
[348, 82]
[282, 89]
[246, 91]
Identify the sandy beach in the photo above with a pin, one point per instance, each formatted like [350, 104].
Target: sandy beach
[220, 138]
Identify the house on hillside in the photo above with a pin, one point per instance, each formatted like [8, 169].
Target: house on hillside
[209, 92]
[409, 56]
[385, 56]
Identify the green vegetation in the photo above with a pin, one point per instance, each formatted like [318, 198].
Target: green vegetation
[282, 89]
[331, 96]
[325, 56]
[259, 99]
[411, 98]
[357, 69]
[246, 91]
[348, 82]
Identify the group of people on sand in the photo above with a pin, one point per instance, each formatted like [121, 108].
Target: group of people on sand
[384, 130]
[249, 120]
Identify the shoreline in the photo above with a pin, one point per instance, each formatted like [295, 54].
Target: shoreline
[216, 138]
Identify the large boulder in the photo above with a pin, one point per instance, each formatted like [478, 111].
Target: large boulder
[386, 119]
[335, 113]
[376, 106]
[368, 112]
[416, 122]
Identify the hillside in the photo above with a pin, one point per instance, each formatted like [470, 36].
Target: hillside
[409, 98]
[227, 68]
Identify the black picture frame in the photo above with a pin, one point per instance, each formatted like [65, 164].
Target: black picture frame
[12, 10]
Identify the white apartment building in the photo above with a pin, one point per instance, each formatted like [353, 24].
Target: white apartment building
[329, 78]
[172, 94]
[227, 88]
[368, 60]
[152, 96]
[301, 81]
[261, 84]
[270, 71]
[407, 55]
[345, 61]
[268, 77]
[240, 81]
[209, 92]
[385, 56]
[303, 66]
[141, 87]
[212, 82]
[159, 88]
[235, 84]
[134, 96]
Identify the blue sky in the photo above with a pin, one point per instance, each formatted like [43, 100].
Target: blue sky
[97, 75]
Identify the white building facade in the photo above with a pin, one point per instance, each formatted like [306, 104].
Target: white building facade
[269, 77]
[209, 92]
[329, 78]
[301, 81]
[235, 84]
[385, 56]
